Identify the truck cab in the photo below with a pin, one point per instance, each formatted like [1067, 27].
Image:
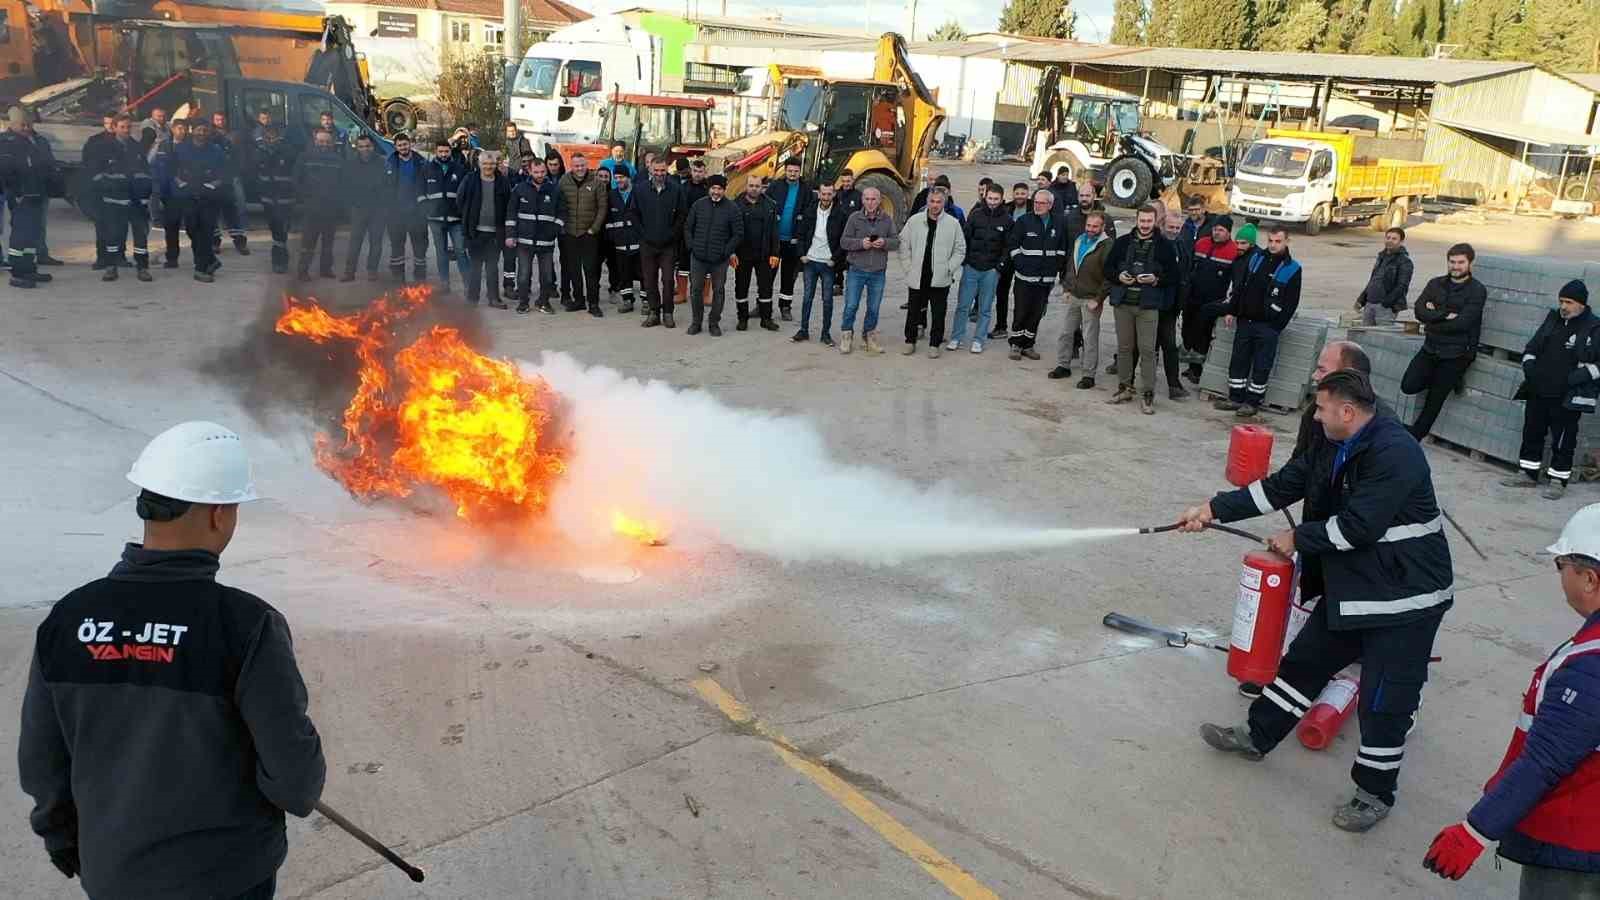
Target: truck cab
[1284, 179]
[558, 91]
[1314, 178]
[669, 127]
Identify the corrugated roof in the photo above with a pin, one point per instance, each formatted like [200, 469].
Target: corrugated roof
[1590, 80]
[1340, 67]
[1539, 135]
[553, 12]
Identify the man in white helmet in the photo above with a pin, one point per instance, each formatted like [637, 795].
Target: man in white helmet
[164, 728]
[1543, 805]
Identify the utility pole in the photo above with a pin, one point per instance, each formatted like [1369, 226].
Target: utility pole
[911, 34]
[511, 19]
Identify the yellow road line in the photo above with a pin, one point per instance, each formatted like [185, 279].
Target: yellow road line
[947, 873]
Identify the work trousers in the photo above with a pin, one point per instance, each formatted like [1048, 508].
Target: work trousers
[927, 306]
[1002, 297]
[656, 275]
[109, 224]
[1167, 344]
[1136, 338]
[571, 272]
[1197, 329]
[201, 222]
[974, 297]
[585, 261]
[119, 219]
[448, 244]
[699, 271]
[1547, 415]
[508, 271]
[1543, 883]
[408, 224]
[1081, 317]
[173, 212]
[27, 230]
[608, 259]
[1255, 349]
[1394, 667]
[230, 212]
[741, 278]
[626, 266]
[1438, 377]
[818, 276]
[528, 258]
[278, 215]
[317, 231]
[482, 251]
[366, 224]
[1031, 299]
[789, 265]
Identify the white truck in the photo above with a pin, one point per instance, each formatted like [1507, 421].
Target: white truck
[1313, 178]
[559, 91]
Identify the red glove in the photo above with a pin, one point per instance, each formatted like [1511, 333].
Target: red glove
[1454, 851]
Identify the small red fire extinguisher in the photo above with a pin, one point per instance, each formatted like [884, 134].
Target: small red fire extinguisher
[1260, 616]
[1322, 721]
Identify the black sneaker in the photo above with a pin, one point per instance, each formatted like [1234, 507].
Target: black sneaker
[714, 330]
[1249, 689]
[1086, 382]
[170, 264]
[523, 309]
[240, 245]
[1059, 372]
[596, 312]
[42, 277]
[800, 337]
[204, 277]
[110, 274]
[143, 274]
[545, 308]
[694, 328]
[826, 340]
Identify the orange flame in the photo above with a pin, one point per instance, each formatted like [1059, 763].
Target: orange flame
[434, 413]
[651, 534]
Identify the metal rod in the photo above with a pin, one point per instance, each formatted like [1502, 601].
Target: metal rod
[1459, 530]
[372, 843]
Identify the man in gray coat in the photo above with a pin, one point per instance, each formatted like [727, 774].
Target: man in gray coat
[932, 248]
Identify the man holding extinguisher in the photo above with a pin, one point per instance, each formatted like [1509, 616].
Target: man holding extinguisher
[1372, 543]
[1543, 805]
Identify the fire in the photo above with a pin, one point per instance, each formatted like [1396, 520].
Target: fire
[435, 412]
[649, 533]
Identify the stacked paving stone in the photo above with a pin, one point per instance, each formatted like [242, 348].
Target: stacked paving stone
[1290, 382]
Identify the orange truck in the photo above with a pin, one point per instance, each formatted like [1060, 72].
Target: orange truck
[668, 127]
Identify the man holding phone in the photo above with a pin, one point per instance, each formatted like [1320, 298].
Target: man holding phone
[1146, 278]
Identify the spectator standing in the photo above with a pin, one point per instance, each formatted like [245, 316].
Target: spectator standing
[1197, 222]
[1210, 277]
[848, 196]
[1144, 271]
[441, 187]
[163, 168]
[986, 231]
[932, 248]
[535, 219]
[1384, 297]
[1264, 299]
[518, 148]
[757, 253]
[1018, 207]
[366, 185]
[276, 166]
[200, 182]
[48, 161]
[793, 198]
[713, 230]
[155, 129]
[341, 140]
[869, 235]
[584, 200]
[407, 213]
[232, 200]
[554, 168]
[694, 189]
[99, 154]
[483, 199]
[1451, 308]
[661, 206]
[317, 178]
[1086, 298]
[1561, 370]
[26, 171]
[1167, 323]
[821, 233]
[1036, 246]
[622, 231]
[1065, 189]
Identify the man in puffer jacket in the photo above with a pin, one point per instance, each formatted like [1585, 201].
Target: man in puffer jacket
[584, 194]
[932, 247]
[535, 217]
[713, 232]
[986, 231]
[1384, 297]
[1562, 366]
[1451, 306]
[757, 253]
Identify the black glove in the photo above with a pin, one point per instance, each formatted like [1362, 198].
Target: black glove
[66, 859]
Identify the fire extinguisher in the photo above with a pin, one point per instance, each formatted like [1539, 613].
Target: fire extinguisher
[1260, 616]
[1322, 721]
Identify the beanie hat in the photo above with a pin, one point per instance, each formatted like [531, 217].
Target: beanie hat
[717, 181]
[1575, 290]
[1224, 221]
[1246, 233]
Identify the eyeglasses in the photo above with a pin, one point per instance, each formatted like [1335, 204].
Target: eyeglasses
[1576, 561]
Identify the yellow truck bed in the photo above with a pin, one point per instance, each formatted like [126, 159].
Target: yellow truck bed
[1388, 179]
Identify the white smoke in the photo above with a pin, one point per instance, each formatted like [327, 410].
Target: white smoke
[752, 480]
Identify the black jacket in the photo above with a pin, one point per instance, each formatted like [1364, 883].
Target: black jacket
[121, 172]
[622, 220]
[317, 176]
[713, 231]
[760, 238]
[1211, 274]
[1266, 288]
[806, 229]
[1372, 537]
[26, 168]
[987, 233]
[1066, 196]
[98, 154]
[535, 215]
[1389, 281]
[849, 201]
[366, 183]
[441, 183]
[469, 202]
[1562, 359]
[778, 192]
[275, 168]
[1035, 247]
[661, 212]
[1449, 338]
[1163, 264]
[164, 731]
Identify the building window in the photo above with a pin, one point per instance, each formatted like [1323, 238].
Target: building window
[494, 35]
[460, 32]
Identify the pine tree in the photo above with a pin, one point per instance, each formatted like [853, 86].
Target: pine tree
[1128, 22]
[1306, 23]
[1221, 25]
[1377, 34]
[1419, 27]
[1161, 30]
[1039, 18]
[1487, 29]
[1269, 15]
[949, 31]
[1345, 19]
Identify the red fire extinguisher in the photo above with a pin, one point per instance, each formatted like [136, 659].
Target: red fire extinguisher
[1322, 722]
[1249, 454]
[1260, 616]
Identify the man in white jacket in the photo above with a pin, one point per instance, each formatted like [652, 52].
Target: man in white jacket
[932, 249]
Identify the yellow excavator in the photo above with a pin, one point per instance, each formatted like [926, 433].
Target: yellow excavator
[880, 129]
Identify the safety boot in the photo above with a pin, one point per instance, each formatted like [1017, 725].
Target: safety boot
[666, 318]
[872, 343]
[1555, 490]
[764, 308]
[784, 312]
[1232, 740]
[143, 273]
[742, 309]
[1361, 813]
[110, 273]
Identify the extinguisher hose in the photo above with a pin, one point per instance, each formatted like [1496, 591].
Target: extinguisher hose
[1213, 526]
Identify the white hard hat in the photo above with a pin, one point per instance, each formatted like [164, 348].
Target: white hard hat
[1582, 534]
[198, 462]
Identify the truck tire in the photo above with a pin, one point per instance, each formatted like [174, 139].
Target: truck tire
[1318, 221]
[894, 197]
[1128, 183]
[398, 116]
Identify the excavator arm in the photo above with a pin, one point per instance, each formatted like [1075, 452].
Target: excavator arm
[920, 105]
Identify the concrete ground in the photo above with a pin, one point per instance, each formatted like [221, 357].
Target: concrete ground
[523, 725]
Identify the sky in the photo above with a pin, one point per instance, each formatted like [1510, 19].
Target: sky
[1094, 16]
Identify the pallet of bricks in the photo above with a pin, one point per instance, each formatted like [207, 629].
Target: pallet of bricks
[1290, 382]
[1482, 418]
